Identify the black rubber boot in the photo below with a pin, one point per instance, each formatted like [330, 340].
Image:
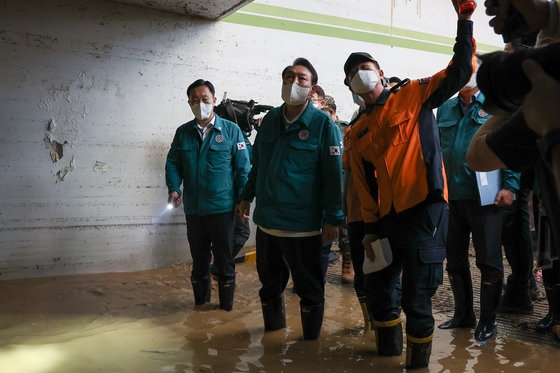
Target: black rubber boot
[545, 324]
[273, 313]
[226, 291]
[311, 321]
[516, 298]
[463, 317]
[389, 337]
[418, 352]
[490, 293]
[201, 290]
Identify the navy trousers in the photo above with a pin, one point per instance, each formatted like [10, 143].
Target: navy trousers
[278, 256]
[485, 225]
[417, 238]
[207, 235]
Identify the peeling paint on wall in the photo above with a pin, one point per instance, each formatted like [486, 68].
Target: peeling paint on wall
[61, 174]
[51, 126]
[55, 148]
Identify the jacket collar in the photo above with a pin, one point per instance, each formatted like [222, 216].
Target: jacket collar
[381, 100]
[478, 98]
[218, 123]
[305, 117]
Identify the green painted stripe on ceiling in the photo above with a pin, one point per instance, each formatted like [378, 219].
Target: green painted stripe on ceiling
[301, 27]
[342, 22]
[396, 32]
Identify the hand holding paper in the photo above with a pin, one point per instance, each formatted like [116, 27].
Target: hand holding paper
[383, 256]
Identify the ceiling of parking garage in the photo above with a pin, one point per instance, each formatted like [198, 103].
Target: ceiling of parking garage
[210, 9]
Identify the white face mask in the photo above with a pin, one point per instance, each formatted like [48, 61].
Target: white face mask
[293, 94]
[364, 81]
[357, 99]
[202, 110]
[472, 83]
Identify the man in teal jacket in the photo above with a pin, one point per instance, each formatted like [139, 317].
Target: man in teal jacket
[296, 179]
[210, 158]
[458, 120]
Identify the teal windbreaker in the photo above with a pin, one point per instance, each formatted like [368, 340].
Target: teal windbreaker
[212, 172]
[296, 173]
[456, 130]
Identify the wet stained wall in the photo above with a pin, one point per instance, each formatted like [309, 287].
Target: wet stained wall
[91, 93]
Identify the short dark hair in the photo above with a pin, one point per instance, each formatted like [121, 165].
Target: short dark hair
[300, 61]
[394, 79]
[198, 83]
[285, 70]
[320, 92]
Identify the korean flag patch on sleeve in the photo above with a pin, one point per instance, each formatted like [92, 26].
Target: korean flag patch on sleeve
[241, 146]
[335, 150]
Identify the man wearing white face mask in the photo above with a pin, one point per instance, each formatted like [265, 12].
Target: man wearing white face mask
[296, 179]
[318, 98]
[458, 121]
[397, 135]
[209, 157]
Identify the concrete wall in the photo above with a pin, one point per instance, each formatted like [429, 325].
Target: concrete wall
[91, 93]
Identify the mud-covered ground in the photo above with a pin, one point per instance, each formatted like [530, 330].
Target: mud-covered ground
[146, 322]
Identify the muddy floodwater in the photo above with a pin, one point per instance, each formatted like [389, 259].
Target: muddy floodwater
[146, 322]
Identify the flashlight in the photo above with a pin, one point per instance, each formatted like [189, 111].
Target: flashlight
[169, 206]
[466, 7]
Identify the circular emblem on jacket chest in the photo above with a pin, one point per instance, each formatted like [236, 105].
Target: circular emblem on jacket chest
[303, 135]
[219, 138]
[482, 113]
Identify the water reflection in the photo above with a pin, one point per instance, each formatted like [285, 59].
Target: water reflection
[215, 340]
[145, 322]
[457, 351]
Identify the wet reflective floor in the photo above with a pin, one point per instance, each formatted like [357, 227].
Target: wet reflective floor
[146, 322]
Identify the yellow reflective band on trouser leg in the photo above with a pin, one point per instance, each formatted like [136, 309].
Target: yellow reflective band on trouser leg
[386, 324]
[419, 340]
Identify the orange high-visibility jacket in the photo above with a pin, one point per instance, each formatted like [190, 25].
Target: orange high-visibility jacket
[398, 135]
[352, 200]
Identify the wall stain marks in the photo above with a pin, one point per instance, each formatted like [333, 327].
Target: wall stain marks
[82, 81]
[100, 166]
[90, 82]
[42, 42]
[6, 39]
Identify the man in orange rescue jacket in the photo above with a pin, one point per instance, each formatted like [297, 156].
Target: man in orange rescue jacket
[398, 136]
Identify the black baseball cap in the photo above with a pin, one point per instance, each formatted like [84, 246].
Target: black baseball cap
[354, 59]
